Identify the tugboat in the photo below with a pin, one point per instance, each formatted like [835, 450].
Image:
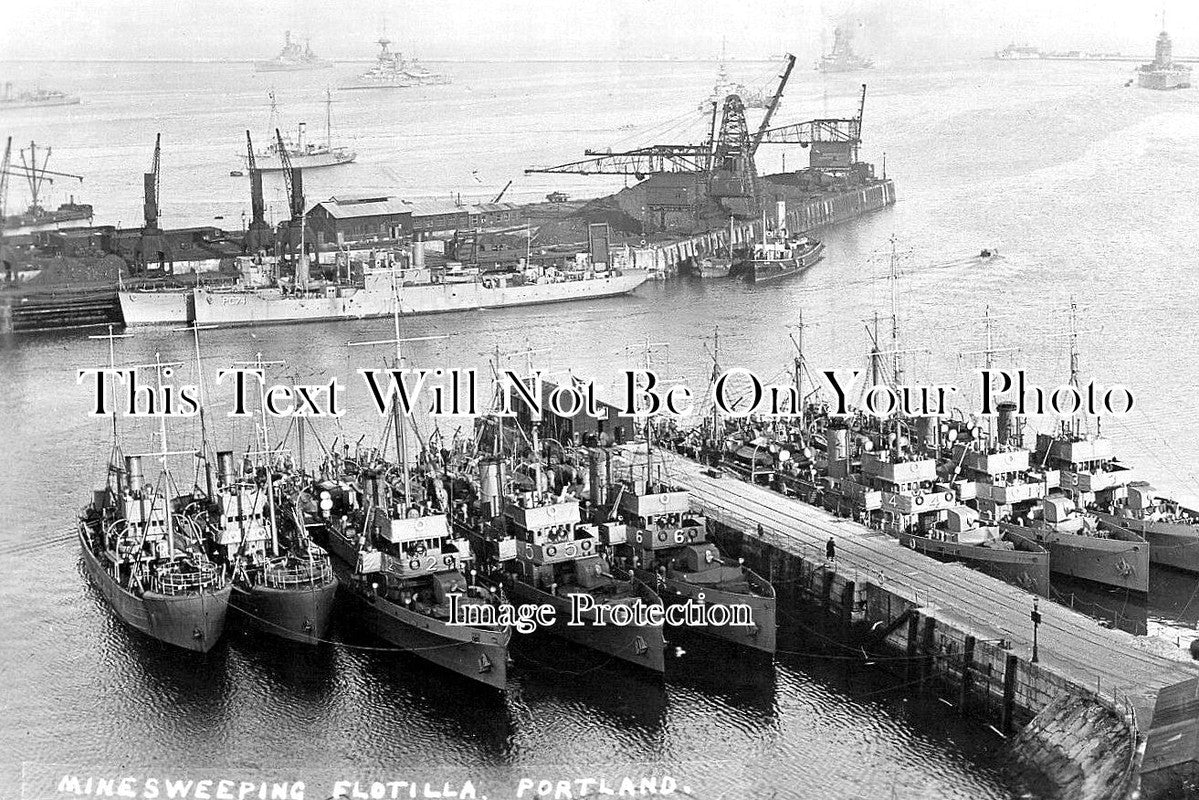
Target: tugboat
[134, 551]
[283, 588]
[1171, 529]
[780, 255]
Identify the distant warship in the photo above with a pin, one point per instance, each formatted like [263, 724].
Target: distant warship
[294, 57]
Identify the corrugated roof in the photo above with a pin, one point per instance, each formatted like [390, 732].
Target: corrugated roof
[348, 209]
[432, 208]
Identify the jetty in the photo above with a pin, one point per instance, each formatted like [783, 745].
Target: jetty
[1098, 709]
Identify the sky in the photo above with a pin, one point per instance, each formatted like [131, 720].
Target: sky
[896, 31]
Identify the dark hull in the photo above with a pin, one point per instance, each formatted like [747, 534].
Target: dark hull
[1171, 544]
[762, 635]
[190, 621]
[1028, 569]
[766, 271]
[298, 615]
[1121, 561]
[640, 645]
[479, 654]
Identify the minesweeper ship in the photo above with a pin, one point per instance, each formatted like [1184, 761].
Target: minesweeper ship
[1171, 529]
[282, 588]
[128, 535]
[399, 563]
[669, 551]
[416, 290]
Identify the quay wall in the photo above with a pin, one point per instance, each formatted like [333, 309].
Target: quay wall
[667, 257]
[1073, 740]
[29, 312]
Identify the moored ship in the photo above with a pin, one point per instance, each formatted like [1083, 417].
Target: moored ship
[1171, 529]
[294, 57]
[670, 552]
[557, 560]
[961, 538]
[129, 538]
[417, 292]
[779, 254]
[400, 563]
[281, 586]
[1079, 547]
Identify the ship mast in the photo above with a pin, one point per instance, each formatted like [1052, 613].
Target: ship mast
[329, 120]
[893, 280]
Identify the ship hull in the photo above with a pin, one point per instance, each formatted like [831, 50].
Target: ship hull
[765, 271]
[1171, 544]
[172, 307]
[710, 268]
[274, 66]
[272, 163]
[1121, 561]
[640, 645]
[478, 654]
[298, 614]
[762, 635]
[192, 621]
[230, 309]
[1027, 568]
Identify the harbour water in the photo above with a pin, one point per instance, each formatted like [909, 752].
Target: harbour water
[1083, 186]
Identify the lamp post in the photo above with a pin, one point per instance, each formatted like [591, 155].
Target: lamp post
[1036, 623]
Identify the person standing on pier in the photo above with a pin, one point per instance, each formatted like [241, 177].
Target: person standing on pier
[830, 549]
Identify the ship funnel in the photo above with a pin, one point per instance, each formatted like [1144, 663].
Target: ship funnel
[418, 254]
[837, 444]
[928, 432]
[489, 487]
[780, 216]
[1008, 429]
[225, 474]
[133, 474]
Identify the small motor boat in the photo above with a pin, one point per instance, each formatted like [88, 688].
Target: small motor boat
[988, 252]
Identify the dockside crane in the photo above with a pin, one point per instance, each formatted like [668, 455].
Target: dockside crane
[152, 246]
[727, 158]
[258, 233]
[293, 182]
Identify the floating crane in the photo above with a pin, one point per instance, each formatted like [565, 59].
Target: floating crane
[727, 158]
[36, 176]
